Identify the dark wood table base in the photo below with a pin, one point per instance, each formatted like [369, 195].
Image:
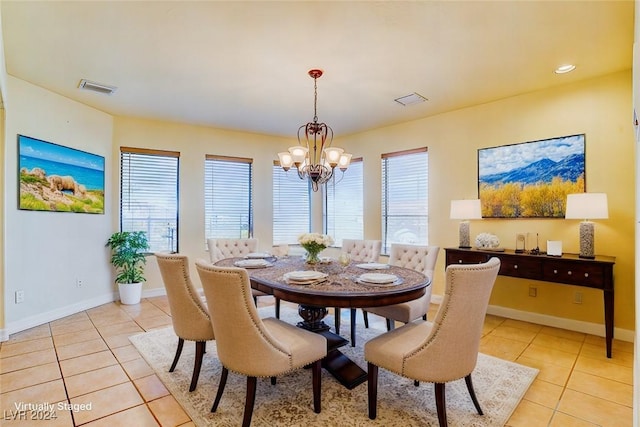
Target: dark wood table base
[345, 370]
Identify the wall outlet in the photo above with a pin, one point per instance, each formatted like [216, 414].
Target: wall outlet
[19, 297]
[79, 283]
[577, 298]
[533, 291]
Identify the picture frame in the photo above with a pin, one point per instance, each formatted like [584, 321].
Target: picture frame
[56, 178]
[531, 179]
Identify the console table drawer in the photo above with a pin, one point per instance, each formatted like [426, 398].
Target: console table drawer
[526, 268]
[574, 274]
[466, 258]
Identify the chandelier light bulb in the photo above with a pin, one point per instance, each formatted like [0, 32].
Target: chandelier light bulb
[286, 160]
[332, 155]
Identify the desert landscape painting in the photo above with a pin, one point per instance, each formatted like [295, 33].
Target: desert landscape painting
[59, 179]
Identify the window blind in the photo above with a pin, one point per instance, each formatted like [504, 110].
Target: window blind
[405, 195]
[149, 195]
[228, 197]
[343, 213]
[291, 206]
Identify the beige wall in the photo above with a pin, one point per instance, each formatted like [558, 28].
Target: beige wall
[45, 252]
[599, 108]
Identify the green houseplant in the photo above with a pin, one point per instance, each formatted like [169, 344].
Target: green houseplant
[128, 257]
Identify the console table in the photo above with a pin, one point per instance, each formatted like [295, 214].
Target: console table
[566, 269]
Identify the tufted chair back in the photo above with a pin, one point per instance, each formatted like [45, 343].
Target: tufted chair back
[362, 250]
[419, 258]
[415, 257]
[230, 248]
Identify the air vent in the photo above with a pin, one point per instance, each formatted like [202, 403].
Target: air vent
[97, 87]
[411, 99]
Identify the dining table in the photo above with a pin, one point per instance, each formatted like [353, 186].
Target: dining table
[335, 286]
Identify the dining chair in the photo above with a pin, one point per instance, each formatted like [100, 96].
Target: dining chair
[189, 315]
[233, 248]
[252, 346]
[363, 251]
[416, 257]
[445, 350]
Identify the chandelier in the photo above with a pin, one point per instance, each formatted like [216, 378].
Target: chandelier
[314, 158]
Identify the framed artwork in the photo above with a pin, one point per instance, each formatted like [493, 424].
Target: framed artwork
[531, 179]
[59, 179]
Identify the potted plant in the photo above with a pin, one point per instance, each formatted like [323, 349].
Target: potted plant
[128, 257]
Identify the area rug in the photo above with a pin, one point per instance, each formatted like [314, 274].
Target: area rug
[499, 386]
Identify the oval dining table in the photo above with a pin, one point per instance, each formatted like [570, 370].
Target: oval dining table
[342, 288]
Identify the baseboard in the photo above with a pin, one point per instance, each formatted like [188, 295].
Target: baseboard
[556, 322]
[59, 313]
[155, 292]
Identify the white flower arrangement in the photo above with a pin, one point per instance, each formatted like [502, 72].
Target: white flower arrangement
[487, 240]
[315, 242]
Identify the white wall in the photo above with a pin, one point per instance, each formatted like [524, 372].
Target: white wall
[46, 251]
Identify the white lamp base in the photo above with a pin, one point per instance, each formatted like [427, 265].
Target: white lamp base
[586, 240]
[465, 241]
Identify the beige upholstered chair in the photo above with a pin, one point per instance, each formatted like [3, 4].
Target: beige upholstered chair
[419, 258]
[233, 248]
[252, 346]
[189, 315]
[442, 351]
[364, 251]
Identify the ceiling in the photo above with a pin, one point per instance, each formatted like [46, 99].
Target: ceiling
[243, 65]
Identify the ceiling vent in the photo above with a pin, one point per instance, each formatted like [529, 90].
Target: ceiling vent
[411, 99]
[97, 87]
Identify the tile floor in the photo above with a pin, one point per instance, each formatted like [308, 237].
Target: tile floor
[85, 361]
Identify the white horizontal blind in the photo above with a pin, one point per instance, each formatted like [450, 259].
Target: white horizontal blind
[405, 196]
[291, 206]
[149, 195]
[343, 214]
[228, 197]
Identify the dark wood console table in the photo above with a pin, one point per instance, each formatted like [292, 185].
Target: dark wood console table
[566, 269]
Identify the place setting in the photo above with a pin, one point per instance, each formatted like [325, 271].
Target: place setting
[304, 277]
[253, 263]
[378, 279]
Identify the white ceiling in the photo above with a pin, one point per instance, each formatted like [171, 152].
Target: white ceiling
[243, 65]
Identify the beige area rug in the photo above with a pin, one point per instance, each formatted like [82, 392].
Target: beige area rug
[499, 387]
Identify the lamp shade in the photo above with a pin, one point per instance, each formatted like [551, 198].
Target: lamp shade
[587, 206]
[466, 209]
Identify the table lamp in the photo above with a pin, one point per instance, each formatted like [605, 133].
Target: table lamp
[465, 210]
[587, 206]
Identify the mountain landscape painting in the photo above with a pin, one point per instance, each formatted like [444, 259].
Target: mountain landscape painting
[60, 179]
[531, 179]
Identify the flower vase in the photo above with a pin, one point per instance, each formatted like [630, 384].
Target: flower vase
[312, 257]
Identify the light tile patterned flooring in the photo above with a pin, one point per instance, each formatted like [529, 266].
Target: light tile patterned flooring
[87, 359]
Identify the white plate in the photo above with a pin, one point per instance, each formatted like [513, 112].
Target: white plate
[378, 278]
[255, 255]
[304, 276]
[252, 263]
[373, 266]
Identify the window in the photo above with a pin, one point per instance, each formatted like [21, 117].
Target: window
[343, 215]
[228, 209]
[405, 207]
[291, 206]
[149, 195]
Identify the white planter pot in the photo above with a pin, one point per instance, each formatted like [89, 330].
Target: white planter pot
[130, 293]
